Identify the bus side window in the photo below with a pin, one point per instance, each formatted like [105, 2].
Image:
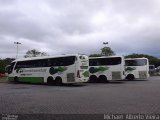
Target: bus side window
[94, 62]
[49, 62]
[44, 63]
[52, 62]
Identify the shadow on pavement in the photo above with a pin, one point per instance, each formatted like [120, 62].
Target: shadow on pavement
[43, 84]
[110, 82]
[134, 80]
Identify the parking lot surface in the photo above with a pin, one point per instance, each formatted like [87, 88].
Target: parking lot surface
[140, 96]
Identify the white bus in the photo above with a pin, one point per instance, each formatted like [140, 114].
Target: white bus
[106, 68]
[136, 68]
[51, 70]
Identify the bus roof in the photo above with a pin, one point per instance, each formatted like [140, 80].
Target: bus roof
[105, 57]
[46, 57]
[136, 58]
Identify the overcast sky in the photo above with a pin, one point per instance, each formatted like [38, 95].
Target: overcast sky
[79, 26]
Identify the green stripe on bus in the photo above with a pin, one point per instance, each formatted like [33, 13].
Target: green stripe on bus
[28, 79]
[31, 79]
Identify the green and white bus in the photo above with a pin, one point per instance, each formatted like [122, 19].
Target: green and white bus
[51, 69]
[136, 68]
[106, 68]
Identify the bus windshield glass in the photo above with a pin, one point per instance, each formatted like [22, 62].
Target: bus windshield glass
[138, 62]
[10, 68]
[105, 61]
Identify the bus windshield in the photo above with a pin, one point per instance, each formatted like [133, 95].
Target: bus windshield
[10, 68]
[105, 61]
[136, 62]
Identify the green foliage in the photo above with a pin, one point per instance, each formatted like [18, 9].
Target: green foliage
[34, 53]
[95, 55]
[107, 51]
[152, 60]
[4, 63]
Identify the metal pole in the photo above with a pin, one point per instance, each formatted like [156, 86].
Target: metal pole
[17, 52]
[17, 48]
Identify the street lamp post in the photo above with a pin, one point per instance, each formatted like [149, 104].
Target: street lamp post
[105, 43]
[105, 48]
[17, 43]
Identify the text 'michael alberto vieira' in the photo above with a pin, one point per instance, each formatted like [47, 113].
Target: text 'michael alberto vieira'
[131, 116]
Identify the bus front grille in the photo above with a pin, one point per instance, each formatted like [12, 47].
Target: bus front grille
[142, 74]
[70, 77]
[116, 75]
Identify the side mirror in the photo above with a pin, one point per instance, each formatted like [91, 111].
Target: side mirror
[8, 69]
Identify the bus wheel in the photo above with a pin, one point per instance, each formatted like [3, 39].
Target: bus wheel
[130, 77]
[58, 81]
[50, 81]
[16, 80]
[93, 79]
[102, 79]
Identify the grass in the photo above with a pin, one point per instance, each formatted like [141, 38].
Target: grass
[3, 79]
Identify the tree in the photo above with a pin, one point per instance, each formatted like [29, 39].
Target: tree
[4, 63]
[107, 51]
[95, 55]
[34, 53]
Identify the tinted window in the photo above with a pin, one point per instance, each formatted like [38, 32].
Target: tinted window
[32, 63]
[140, 62]
[62, 61]
[105, 61]
[151, 67]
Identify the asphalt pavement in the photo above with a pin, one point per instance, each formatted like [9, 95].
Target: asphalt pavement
[117, 97]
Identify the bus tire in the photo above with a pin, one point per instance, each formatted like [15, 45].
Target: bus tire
[58, 81]
[130, 77]
[16, 80]
[50, 81]
[102, 79]
[93, 79]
